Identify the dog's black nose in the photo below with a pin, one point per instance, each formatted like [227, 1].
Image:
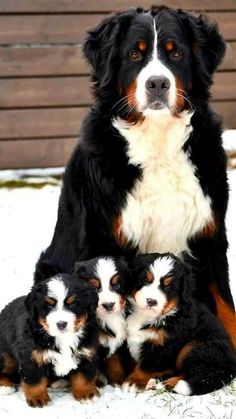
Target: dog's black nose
[151, 302]
[108, 306]
[157, 85]
[61, 325]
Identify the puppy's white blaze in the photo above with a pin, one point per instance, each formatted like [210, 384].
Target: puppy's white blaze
[154, 68]
[105, 270]
[57, 290]
[6, 390]
[162, 267]
[182, 387]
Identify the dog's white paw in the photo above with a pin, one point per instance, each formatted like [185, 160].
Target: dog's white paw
[5, 390]
[182, 387]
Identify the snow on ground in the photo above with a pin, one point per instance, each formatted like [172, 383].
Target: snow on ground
[27, 218]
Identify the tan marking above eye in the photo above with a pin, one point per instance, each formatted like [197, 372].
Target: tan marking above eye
[167, 281]
[115, 279]
[169, 46]
[150, 277]
[142, 46]
[70, 300]
[95, 282]
[50, 301]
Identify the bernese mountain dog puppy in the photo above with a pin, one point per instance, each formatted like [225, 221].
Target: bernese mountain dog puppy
[107, 275]
[173, 336]
[52, 332]
[149, 171]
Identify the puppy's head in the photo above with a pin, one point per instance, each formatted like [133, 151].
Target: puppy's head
[162, 284]
[153, 61]
[61, 304]
[104, 274]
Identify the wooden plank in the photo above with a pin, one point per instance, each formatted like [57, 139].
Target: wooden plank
[40, 61]
[38, 92]
[46, 29]
[38, 123]
[63, 60]
[227, 110]
[55, 6]
[224, 87]
[35, 153]
[71, 28]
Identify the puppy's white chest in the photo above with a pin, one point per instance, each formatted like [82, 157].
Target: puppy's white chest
[117, 324]
[167, 206]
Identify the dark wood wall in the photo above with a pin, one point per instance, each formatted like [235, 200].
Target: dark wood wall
[44, 83]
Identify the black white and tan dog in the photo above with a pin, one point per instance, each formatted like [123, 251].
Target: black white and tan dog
[52, 332]
[107, 275]
[173, 336]
[149, 172]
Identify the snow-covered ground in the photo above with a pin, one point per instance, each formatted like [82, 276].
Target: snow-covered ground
[27, 218]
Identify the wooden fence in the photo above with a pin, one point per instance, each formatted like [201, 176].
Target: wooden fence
[44, 82]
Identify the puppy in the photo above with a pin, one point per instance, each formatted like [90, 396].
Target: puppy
[51, 332]
[171, 334]
[106, 274]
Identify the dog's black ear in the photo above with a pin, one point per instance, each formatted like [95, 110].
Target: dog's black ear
[187, 283]
[207, 43]
[101, 46]
[31, 302]
[90, 299]
[80, 269]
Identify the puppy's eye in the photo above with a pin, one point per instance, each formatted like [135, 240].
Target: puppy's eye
[135, 55]
[116, 286]
[175, 54]
[50, 302]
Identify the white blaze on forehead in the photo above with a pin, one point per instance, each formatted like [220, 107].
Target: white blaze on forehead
[154, 68]
[105, 270]
[57, 290]
[162, 267]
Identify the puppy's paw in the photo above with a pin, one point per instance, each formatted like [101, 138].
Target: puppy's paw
[5, 390]
[38, 400]
[88, 397]
[129, 387]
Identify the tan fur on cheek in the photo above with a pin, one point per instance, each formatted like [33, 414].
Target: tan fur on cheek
[80, 322]
[169, 306]
[44, 324]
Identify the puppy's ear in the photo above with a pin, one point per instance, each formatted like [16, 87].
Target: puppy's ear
[207, 43]
[90, 298]
[31, 302]
[187, 282]
[79, 269]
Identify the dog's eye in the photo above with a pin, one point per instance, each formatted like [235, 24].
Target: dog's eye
[167, 287]
[116, 286]
[135, 55]
[175, 54]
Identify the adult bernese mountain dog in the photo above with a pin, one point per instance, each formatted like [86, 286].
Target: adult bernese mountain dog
[149, 171]
[170, 334]
[52, 332]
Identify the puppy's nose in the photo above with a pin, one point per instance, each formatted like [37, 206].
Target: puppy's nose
[61, 325]
[151, 302]
[157, 85]
[108, 306]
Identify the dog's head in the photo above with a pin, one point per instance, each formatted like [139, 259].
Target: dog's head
[61, 305]
[151, 61]
[161, 284]
[105, 274]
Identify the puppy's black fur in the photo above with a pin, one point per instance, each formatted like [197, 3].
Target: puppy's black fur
[185, 342]
[28, 353]
[99, 175]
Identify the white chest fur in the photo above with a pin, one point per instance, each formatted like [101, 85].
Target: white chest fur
[117, 323]
[167, 206]
[136, 336]
[68, 356]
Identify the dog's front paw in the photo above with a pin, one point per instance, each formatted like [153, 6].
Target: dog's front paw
[38, 400]
[86, 397]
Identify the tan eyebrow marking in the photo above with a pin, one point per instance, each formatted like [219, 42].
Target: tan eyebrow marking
[142, 46]
[95, 282]
[115, 279]
[167, 281]
[70, 299]
[150, 277]
[50, 301]
[169, 46]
